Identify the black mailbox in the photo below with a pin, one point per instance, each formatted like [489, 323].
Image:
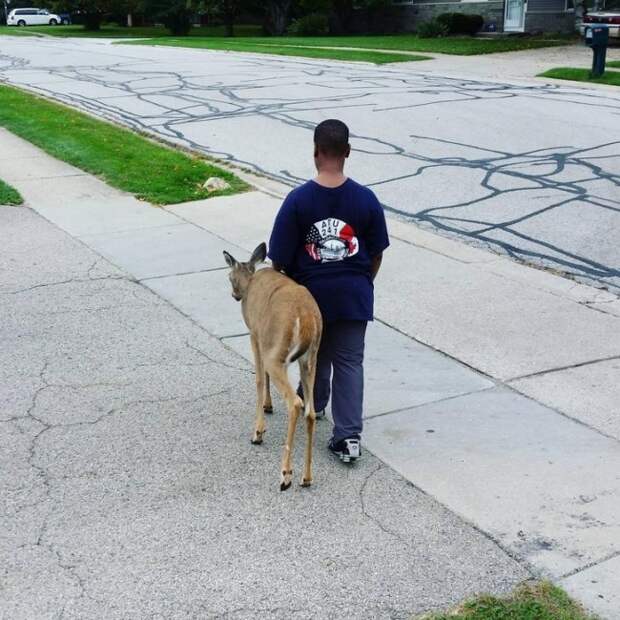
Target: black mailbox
[597, 37]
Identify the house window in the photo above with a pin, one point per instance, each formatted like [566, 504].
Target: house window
[570, 6]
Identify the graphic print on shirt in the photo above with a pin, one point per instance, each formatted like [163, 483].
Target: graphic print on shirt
[331, 240]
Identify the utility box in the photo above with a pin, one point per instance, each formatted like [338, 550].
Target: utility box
[597, 37]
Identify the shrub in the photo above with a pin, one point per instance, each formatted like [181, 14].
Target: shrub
[461, 23]
[315, 24]
[432, 29]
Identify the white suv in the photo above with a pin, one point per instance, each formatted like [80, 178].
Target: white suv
[32, 17]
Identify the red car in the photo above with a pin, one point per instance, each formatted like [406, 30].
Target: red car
[608, 15]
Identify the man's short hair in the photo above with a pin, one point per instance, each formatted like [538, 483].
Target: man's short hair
[331, 138]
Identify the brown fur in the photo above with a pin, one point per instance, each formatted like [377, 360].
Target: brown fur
[285, 325]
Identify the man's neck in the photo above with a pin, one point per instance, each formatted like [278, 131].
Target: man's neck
[330, 178]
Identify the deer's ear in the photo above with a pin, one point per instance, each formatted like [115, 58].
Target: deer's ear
[230, 260]
[259, 254]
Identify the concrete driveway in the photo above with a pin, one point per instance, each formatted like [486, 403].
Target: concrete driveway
[529, 169]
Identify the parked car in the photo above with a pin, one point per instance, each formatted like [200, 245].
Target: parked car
[32, 17]
[609, 15]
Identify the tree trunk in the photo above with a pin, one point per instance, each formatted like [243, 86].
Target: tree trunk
[129, 20]
[229, 22]
[344, 13]
[230, 14]
[278, 14]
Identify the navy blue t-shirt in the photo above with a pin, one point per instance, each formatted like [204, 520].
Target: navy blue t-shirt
[325, 239]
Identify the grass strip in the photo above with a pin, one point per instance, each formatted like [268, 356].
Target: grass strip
[122, 158]
[538, 601]
[464, 46]
[613, 63]
[241, 45]
[9, 195]
[582, 75]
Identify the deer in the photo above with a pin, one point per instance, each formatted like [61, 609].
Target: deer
[285, 326]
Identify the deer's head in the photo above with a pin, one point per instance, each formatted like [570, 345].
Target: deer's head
[241, 273]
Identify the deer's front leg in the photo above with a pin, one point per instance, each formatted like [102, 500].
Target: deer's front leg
[259, 426]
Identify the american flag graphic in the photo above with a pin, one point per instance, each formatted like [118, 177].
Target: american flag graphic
[312, 241]
[331, 240]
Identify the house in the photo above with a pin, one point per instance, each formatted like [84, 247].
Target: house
[500, 15]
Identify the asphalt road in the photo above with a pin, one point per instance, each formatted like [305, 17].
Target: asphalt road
[528, 169]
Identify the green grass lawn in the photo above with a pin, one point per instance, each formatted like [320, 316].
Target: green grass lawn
[120, 32]
[582, 75]
[540, 601]
[10, 30]
[251, 36]
[246, 45]
[9, 195]
[120, 157]
[613, 63]
[465, 46]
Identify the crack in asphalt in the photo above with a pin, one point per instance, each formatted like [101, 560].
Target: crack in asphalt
[47, 480]
[365, 512]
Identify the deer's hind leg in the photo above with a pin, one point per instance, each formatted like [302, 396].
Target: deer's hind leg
[267, 404]
[259, 426]
[294, 404]
[307, 368]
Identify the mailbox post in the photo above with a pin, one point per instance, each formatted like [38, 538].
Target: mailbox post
[597, 37]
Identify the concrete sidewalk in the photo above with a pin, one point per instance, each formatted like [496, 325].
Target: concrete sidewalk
[492, 388]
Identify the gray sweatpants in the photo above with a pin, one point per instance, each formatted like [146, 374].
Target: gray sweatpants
[340, 371]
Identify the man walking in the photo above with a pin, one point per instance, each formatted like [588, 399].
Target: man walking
[329, 236]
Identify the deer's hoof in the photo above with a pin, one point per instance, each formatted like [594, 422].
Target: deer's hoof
[268, 409]
[286, 479]
[306, 482]
[258, 438]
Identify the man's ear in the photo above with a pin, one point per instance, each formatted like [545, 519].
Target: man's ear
[230, 260]
[259, 254]
[348, 151]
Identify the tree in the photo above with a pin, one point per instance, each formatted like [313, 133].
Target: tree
[228, 11]
[278, 12]
[374, 10]
[131, 8]
[93, 11]
[343, 10]
[176, 15]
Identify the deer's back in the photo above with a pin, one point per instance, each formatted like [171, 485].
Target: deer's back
[276, 306]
